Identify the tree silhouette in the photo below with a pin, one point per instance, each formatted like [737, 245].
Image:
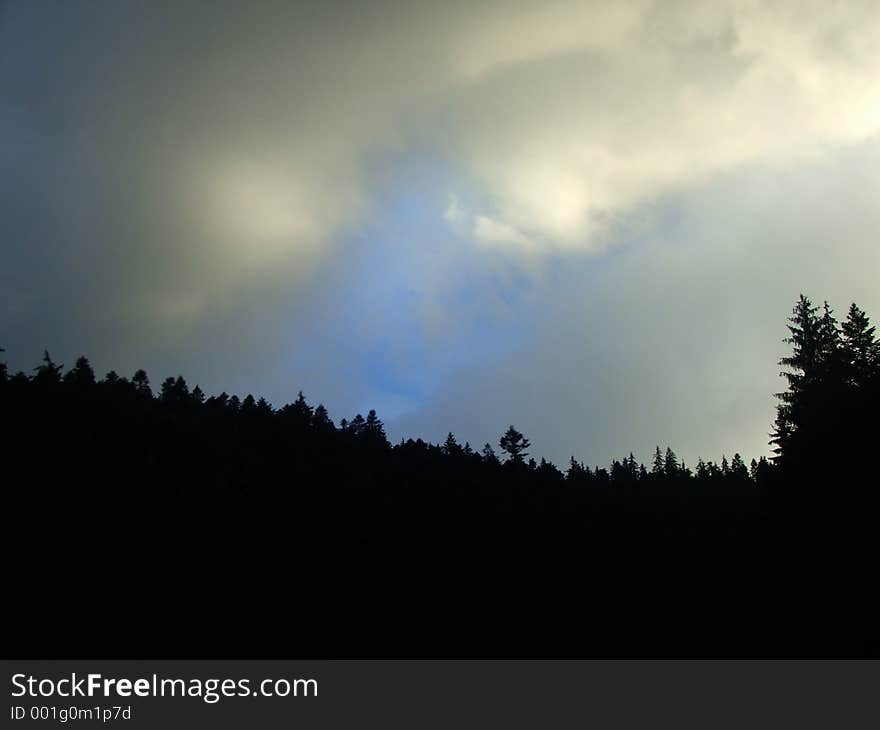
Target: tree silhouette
[451, 446]
[373, 430]
[658, 466]
[489, 454]
[49, 373]
[81, 374]
[860, 349]
[142, 383]
[515, 445]
[670, 463]
[321, 421]
[261, 520]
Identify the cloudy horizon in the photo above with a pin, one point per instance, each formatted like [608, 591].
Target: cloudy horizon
[588, 219]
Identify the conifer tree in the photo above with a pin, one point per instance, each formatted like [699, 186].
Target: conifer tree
[702, 469]
[321, 421]
[450, 446]
[142, 382]
[489, 454]
[657, 464]
[670, 463]
[356, 425]
[738, 467]
[49, 372]
[374, 430]
[860, 349]
[81, 374]
[803, 369]
[515, 444]
[300, 411]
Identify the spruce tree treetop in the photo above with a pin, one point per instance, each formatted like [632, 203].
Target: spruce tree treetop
[450, 446]
[860, 348]
[657, 463]
[489, 454]
[515, 444]
[141, 382]
[81, 373]
[670, 463]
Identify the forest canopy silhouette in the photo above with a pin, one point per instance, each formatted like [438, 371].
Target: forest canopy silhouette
[214, 525]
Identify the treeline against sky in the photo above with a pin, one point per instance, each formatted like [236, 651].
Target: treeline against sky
[170, 523]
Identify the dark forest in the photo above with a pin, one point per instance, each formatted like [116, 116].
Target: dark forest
[170, 523]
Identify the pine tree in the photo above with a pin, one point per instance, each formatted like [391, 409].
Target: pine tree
[670, 463]
[489, 454]
[702, 469]
[515, 444]
[738, 467]
[356, 425]
[860, 349]
[374, 430]
[81, 374]
[218, 402]
[657, 464]
[631, 466]
[576, 471]
[299, 411]
[814, 343]
[321, 421]
[49, 372]
[174, 390]
[762, 471]
[142, 383]
[684, 471]
[450, 446]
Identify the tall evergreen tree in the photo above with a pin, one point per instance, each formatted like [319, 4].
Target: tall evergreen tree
[299, 412]
[657, 464]
[860, 349]
[515, 444]
[374, 430]
[670, 463]
[812, 342]
[451, 446]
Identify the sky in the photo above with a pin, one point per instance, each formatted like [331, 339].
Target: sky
[587, 219]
